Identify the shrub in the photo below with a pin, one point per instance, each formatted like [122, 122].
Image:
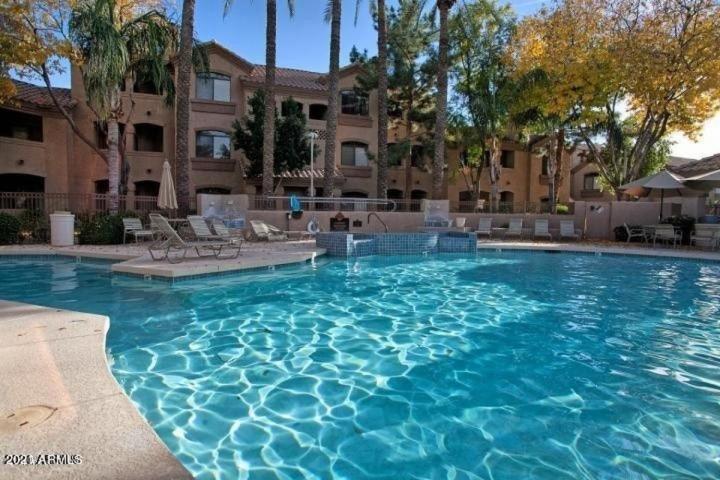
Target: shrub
[33, 225]
[9, 228]
[561, 209]
[100, 229]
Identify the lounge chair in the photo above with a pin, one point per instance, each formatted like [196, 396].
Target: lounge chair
[172, 242]
[666, 233]
[201, 230]
[542, 229]
[515, 229]
[635, 232]
[567, 230]
[133, 226]
[222, 231]
[705, 235]
[484, 227]
[265, 231]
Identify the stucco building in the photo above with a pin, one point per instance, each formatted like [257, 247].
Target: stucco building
[40, 153]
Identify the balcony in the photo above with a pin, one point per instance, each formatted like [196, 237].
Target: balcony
[213, 164]
[213, 106]
[364, 121]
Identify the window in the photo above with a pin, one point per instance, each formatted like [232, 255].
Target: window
[545, 165]
[20, 182]
[285, 107]
[213, 191]
[354, 154]
[395, 194]
[148, 137]
[507, 159]
[318, 111]
[145, 85]
[212, 86]
[21, 125]
[147, 188]
[591, 181]
[212, 144]
[417, 156]
[353, 103]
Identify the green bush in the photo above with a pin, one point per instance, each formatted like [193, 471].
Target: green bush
[9, 228]
[100, 229]
[33, 225]
[561, 209]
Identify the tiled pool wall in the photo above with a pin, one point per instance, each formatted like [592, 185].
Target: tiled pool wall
[343, 244]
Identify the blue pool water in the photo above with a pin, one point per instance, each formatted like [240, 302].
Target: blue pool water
[495, 366]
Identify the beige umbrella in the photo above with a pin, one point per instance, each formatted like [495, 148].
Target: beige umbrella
[166, 197]
[662, 181]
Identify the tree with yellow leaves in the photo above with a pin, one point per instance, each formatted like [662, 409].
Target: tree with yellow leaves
[654, 61]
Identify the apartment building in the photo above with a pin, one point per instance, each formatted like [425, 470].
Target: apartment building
[40, 153]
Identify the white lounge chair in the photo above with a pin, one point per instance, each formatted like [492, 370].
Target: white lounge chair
[172, 242]
[542, 229]
[705, 235]
[635, 232]
[200, 228]
[515, 228]
[265, 231]
[484, 227]
[222, 231]
[666, 233]
[133, 226]
[567, 230]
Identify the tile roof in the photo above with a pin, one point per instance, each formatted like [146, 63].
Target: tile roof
[39, 96]
[698, 167]
[290, 77]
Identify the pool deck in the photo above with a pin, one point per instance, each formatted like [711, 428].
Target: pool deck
[135, 260]
[57, 396]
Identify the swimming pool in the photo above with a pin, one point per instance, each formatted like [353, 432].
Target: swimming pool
[497, 365]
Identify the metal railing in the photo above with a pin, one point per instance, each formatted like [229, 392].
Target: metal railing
[74, 202]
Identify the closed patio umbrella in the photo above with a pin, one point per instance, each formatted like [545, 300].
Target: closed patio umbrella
[166, 197]
[661, 181]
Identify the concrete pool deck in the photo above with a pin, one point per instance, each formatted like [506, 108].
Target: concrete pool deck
[57, 396]
[135, 260]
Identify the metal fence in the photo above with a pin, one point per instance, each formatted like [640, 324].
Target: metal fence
[74, 202]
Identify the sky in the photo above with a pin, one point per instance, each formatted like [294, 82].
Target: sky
[303, 42]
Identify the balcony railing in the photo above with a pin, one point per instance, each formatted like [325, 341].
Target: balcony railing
[74, 202]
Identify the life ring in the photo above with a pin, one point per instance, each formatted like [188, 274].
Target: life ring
[313, 226]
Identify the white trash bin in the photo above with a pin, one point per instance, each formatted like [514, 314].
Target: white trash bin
[62, 229]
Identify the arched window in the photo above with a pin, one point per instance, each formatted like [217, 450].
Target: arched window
[147, 188]
[318, 111]
[507, 201]
[353, 103]
[354, 154]
[212, 144]
[148, 137]
[20, 182]
[212, 86]
[394, 194]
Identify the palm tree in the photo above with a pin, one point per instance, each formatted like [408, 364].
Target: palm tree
[382, 153]
[333, 13]
[269, 118]
[117, 44]
[443, 7]
[182, 108]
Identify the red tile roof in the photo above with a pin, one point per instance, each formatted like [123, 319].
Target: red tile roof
[290, 77]
[39, 96]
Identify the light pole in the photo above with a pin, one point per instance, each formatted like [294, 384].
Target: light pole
[313, 136]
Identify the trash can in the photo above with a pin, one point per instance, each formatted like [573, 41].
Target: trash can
[62, 229]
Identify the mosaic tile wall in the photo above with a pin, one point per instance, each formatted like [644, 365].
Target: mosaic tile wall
[343, 244]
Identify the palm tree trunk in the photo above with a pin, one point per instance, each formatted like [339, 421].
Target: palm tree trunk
[182, 109]
[494, 173]
[269, 117]
[558, 178]
[333, 98]
[382, 153]
[441, 102]
[113, 136]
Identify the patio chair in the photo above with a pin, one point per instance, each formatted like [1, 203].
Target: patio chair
[542, 229]
[515, 229]
[484, 227]
[567, 230]
[265, 231]
[666, 233]
[200, 228]
[705, 235]
[172, 242]
[222, 231]
[635, 232]
[133, 226]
